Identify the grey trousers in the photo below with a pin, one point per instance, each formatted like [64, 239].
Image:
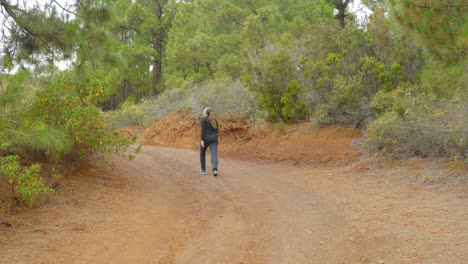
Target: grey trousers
[214, 155]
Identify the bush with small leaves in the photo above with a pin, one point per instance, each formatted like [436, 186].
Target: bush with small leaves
[24, 181]
[413, 124]
[230, 98]
[70, 108]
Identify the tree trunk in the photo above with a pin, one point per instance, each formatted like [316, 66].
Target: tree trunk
[157, 39]
[157, 64]
[341, 6]
[341, 18]
[125, 89]
[155, 77]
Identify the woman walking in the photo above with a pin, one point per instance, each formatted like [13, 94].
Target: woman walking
[209, 138]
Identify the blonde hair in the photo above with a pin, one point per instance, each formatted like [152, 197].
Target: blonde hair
[209, 113]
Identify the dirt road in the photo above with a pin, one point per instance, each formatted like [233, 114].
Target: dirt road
[158, 209]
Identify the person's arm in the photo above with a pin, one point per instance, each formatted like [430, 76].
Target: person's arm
[203, 130]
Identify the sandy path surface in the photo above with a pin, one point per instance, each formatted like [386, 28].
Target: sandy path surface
[158, 209]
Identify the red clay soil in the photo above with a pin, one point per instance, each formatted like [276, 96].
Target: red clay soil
[300, 144]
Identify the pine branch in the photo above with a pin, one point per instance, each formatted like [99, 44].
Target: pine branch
[10, 9]
[130, 28]
[16, 132]
[427, 6]
[159, 11]
[64, 9]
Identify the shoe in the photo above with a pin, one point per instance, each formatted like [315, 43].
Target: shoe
[203, 172]
[215, 172]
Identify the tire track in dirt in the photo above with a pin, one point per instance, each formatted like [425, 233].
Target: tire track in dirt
[210, 214]
[283, 222]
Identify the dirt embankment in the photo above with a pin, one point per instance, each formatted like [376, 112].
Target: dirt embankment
[299, 144]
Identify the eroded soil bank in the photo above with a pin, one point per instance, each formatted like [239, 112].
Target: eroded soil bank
[304, 143]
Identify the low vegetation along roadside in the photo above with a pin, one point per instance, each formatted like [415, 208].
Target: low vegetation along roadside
[50, 128]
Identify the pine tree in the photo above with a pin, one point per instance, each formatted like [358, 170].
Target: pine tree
[150, 22]
[441, 25]
[341, 6]
[29, 33]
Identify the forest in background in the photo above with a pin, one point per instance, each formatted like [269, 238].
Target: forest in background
[399, 75]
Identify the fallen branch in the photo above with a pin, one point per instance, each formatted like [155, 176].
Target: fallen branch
[244, 139]
[241, 139]
[292, 130]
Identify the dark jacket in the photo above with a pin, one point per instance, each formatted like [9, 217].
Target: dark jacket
[209, 134]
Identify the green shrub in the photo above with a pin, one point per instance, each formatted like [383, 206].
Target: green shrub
[293, 105]
[273, 76]
[20, 127]
[60, 122]
[335, 95]
[345, 104]
[446, 81]
[149, 110]
[414, 125]
[230, 98]
[399, 100]
[131, 114]
[24, 181]
[71, 109]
